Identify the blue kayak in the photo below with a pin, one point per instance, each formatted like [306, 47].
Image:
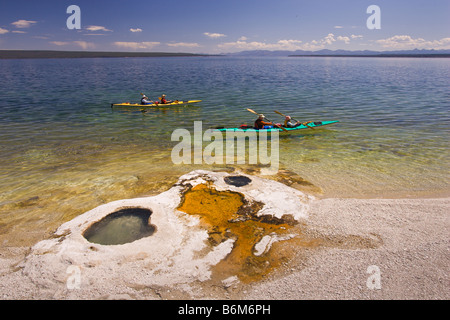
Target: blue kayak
[311, 124]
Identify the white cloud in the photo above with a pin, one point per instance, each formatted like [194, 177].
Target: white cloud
[408, 42]
[395, 42]
[97, 28]
[184, 44]
[3, 31]
[400, 41]
[83, 44]
[338, 27]
[60, 43]
[345, 39]
[444, 43]
[214, 35]
[313, 45]
[289, 44]
[243, 38]
[18, 31]
[242, 45]
[23, 23]
[254, 45]
[136, 30]
[329, 39]
[136, 45]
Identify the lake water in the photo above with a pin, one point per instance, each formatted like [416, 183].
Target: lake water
[65, 151]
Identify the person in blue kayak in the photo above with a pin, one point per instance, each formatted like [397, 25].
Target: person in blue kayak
[289, 124]
[146, 100]
[261, 124]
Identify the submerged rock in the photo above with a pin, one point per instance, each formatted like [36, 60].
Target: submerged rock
[200, 223]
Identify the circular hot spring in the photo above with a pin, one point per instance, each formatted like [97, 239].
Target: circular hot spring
[237, 181]
[120, 227]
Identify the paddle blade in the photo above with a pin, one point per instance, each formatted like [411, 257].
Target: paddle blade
[279, 113]
[252, 111]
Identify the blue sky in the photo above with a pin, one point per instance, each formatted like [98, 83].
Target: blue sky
[221, 26]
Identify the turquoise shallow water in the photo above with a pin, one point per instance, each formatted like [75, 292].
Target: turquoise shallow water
[64, 150]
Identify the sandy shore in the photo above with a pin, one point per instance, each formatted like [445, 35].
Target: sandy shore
[364, 249]
[407, 239]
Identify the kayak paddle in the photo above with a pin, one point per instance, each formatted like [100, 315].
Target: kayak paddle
[304, 123]
[253, 111]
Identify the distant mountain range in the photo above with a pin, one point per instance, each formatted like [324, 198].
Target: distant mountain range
[358, 53]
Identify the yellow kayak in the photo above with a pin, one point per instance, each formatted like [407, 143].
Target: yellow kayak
[156, 105]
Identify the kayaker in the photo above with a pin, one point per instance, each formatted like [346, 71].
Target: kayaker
[261, 124]
[289, 124]
[145, 100]
[163, 99]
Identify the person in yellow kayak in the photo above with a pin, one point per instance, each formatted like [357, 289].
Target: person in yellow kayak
[164, 100]
[289, 124]
[261, 124]
[146, 100]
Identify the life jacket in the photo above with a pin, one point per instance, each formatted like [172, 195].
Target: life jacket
[261, 124]
[258, 124]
